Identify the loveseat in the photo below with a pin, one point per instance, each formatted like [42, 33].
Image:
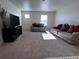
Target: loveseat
[70, 34]
[38, 27]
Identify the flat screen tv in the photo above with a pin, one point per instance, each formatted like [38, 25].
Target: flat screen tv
[14, 20]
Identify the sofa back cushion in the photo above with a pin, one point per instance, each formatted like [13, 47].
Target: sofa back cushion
[76, 28]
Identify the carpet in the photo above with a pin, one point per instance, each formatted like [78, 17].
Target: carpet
[31, 45]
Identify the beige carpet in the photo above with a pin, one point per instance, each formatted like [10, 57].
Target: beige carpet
[30, 45]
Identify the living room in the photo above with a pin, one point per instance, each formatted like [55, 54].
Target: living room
[31, 45]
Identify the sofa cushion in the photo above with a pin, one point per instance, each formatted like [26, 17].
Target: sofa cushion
[75, 37]
[76, 28]
[55, 31]
[65, 35]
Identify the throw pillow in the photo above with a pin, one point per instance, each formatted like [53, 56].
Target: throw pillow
[55, 27]
[65, 27]
[59, 26]
[76, 28]
[71, 29]
[38, 25]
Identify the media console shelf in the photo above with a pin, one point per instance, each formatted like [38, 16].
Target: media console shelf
[11, 34]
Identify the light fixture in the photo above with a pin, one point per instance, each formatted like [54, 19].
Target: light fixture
[43, 0]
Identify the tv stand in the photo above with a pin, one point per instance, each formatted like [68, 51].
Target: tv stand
[11, 34]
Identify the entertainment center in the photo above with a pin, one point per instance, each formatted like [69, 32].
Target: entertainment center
[11, 33]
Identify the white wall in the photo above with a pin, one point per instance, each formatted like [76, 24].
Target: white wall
[10, 8]
[35, 17]
[68, 14]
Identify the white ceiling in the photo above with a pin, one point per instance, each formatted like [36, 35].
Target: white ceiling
[39, 5]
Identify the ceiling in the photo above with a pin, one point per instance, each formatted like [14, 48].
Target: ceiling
[40, 5]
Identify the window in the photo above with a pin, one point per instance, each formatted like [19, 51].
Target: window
[27, 16]
[44, 19]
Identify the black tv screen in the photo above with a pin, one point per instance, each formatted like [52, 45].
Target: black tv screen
[14, 20]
